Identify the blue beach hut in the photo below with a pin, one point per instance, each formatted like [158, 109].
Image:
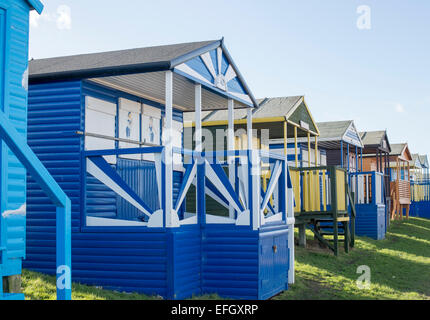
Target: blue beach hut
[108, 126]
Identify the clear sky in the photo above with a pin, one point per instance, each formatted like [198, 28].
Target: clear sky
[379, 77]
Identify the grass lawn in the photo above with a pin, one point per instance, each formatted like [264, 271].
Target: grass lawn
[400, 269]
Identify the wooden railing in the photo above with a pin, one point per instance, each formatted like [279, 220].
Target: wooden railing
[420, 190]
[315, 189]
[368, 187]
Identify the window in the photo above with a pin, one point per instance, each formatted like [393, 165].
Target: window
[100, 120]
[129, 125]
[151, 123]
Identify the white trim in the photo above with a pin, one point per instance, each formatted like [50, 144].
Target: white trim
[206, 57]
[171, 218]
[198, 116]
[186, 69]
[244, 219]
[211, 219]
[106, 222]
[230, 147]
[187, 186]
[100, 105]
[105, 179]
[189, 220]
[213, 177]
[241, 96]
[219, 59]
[274, 218]
[230, 74]
[276, 173]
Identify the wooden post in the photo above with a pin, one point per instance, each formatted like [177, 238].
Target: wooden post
[334, 206]
[341, 154]
[286, 140]
[316, 152]
[295, 147]
[302, 235]
[231, 147]
[310, 176]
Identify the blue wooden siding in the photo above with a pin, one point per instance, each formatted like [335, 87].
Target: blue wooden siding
[13, 94]
[230, 261]
[128, 259]
[186, 257]
[54, 116]
[240, 263]
[370, 221]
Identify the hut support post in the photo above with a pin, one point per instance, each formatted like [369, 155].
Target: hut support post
[201, 174]
[341, 154]
[168, 153]
[356, 159]
[286, 139]
[347, 156]
[295, 147]
[230, 147]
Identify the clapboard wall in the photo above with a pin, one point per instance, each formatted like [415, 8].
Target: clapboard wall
[126, 258]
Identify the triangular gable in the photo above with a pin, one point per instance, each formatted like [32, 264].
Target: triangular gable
[216, 70]
[424, 161]
[406, 154]
[352, 136]
[301, 115]
[385, 143]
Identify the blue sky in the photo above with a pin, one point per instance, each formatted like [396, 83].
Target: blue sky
[379, 77]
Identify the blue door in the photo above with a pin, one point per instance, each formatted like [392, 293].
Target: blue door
[273, 264]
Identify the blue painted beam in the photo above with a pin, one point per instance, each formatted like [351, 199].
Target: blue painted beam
[40, 174]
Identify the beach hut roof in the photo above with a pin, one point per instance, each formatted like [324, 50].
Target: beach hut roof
[375, 140]
[141, 71]
[36, 5]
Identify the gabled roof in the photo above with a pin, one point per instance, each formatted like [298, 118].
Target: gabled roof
[333, 130]
[424, 161]
[137, 60]
[375, 139]
[264, 110]
[142, 71]
[269, 110]
[415, 162]
[36, 5]
[401, 150]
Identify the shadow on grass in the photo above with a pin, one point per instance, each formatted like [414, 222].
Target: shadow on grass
[398, 264]
[37, 286]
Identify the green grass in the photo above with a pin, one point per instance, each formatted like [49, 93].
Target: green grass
[400, 269]
[38, 286]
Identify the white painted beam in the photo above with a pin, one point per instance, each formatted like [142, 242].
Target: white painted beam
[231, 147]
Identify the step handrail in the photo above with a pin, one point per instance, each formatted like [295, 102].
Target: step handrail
[40, 174]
